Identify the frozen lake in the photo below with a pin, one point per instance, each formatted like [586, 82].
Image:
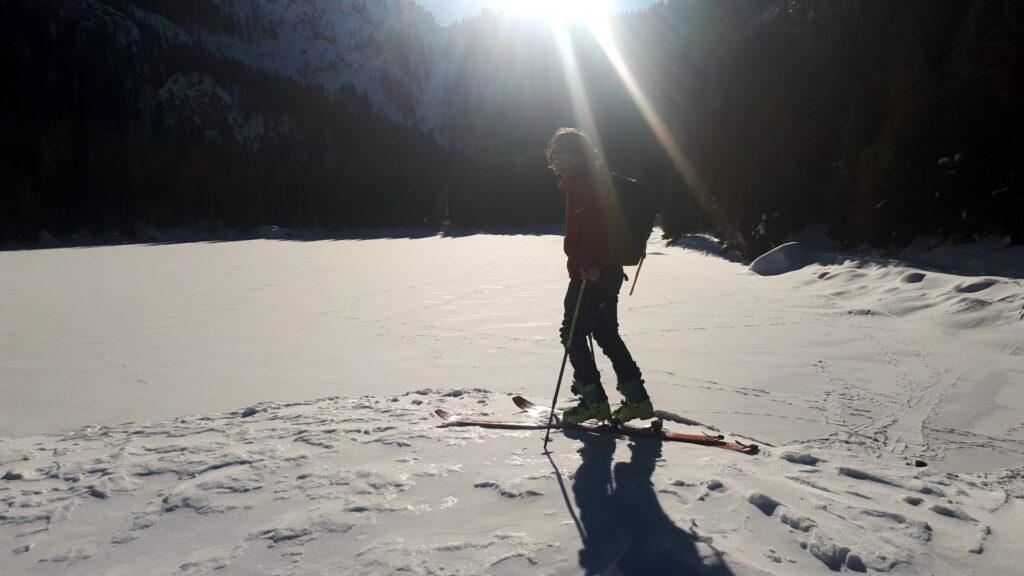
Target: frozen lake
[877, 360]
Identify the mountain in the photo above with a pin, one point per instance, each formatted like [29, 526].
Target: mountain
[216, 113]
[880, 120]
[384, 49]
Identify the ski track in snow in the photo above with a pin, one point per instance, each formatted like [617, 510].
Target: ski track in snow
[906, 418]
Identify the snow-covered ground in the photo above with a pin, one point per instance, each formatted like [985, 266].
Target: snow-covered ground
[265, 407]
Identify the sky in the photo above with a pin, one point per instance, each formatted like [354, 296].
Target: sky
[448, 11]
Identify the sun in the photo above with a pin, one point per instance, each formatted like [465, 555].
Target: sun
[588, 12]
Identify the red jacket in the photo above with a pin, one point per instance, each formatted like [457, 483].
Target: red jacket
[590, 228]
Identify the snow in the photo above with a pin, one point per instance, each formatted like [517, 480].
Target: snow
[781, 259]
[265, 407]
[197, 95]
[338, 43]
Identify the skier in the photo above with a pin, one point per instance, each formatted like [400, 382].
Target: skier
[593, 232]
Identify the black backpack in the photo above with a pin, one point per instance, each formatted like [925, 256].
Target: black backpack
[639, 204]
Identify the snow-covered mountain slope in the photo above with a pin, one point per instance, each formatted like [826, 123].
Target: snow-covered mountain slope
[393, 52]
[264, 407]
[386, 50]
[192, 99]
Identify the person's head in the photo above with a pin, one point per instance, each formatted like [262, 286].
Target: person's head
[568, 148]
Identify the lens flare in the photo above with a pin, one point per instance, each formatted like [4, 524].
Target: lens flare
[595, 16]
[574, 82]
[556, 11]
[603, 33]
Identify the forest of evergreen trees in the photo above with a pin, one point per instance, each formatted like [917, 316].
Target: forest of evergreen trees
[89, 149]
[883, 120]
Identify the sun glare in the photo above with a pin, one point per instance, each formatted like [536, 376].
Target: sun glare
[557, 11]
[596, 16]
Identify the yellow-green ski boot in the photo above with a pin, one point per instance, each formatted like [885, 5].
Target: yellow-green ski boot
[593, 404]
[636, 403]
[628, 411]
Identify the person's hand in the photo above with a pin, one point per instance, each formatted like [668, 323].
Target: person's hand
[590, 274]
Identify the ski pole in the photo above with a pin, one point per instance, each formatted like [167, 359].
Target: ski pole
[561, 371]
[637, 275]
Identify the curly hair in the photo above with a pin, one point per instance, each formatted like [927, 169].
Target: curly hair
[577, 144]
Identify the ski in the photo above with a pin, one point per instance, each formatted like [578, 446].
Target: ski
[537, 411]
[459, 420]
[654, 430]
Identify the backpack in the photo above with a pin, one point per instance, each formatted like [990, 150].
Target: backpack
[639, 208]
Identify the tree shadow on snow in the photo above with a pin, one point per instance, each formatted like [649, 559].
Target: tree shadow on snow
[623, 527]
[190, 236]
[703, 244]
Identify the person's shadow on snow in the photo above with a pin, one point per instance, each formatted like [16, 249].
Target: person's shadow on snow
[623, 526]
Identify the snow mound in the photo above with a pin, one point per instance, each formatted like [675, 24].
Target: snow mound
[782, 259]
[876, 287]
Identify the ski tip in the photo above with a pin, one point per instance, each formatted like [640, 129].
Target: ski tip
[522, 402]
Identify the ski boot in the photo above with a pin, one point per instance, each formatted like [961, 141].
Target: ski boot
[635, 404]
[593, 404]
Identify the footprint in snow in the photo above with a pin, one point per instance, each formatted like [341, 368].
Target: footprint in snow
[977, 286]
[800, 458]
[764, 503]
[857, 474]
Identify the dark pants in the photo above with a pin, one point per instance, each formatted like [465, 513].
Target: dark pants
[599, 316]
